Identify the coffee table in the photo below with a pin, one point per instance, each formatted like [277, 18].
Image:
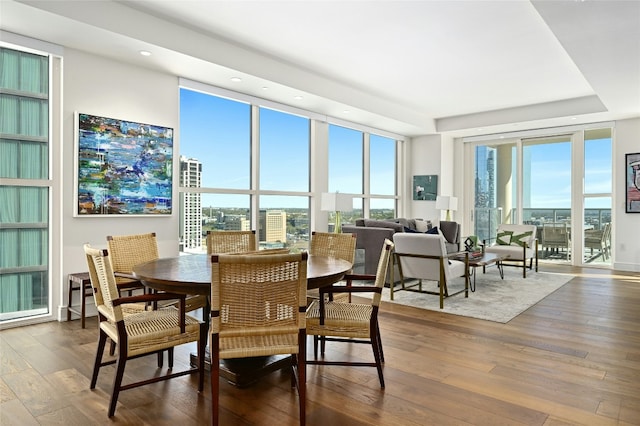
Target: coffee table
[485, 260]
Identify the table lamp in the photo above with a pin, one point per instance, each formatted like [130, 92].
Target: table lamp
[445, 202]
[338, 203]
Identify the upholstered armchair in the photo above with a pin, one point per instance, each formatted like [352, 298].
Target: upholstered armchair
[519, 242]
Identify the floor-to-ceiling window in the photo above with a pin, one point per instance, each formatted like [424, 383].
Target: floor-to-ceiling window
[236, 178]
[597, 195]
[246, 163]
[363, 164]
[539, 180]
[26, 184]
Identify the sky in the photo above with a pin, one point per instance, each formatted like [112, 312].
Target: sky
[217, 132]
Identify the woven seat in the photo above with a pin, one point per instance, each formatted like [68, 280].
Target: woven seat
[350, 322]
[258, 309]
[138, 333]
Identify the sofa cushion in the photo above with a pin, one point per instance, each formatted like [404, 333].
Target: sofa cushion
[383, 224]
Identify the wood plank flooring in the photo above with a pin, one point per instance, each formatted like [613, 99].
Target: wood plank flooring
[572, 359]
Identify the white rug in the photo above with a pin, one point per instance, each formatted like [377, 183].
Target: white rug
[494, 299]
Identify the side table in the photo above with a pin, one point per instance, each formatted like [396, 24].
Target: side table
[79, 281]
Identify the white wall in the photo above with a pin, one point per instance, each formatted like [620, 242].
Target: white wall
[424, 155]
[626, 226]
[98, 86]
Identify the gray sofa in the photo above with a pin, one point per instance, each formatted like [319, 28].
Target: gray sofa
[371, 233]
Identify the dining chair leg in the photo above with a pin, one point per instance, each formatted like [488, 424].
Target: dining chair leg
[102, 340]
[117, 381]
[376, 345]
[302, 375]
[214, 352]
[315, 347]
[380, 343]
[170, 357]
[202, 344]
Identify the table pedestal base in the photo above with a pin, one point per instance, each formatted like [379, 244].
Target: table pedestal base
[243, 372]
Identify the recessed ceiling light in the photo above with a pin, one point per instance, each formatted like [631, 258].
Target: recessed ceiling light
[145, 53]
[346, 111]
[265, 88]
[298, 98]
[236, 79]
[574, 118]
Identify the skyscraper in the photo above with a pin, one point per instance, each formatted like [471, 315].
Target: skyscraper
[190, 205]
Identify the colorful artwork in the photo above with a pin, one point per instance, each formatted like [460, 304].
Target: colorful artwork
[123, 167]
[633, 183]
[425, 187]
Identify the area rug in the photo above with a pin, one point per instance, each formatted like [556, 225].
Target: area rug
[494, 299]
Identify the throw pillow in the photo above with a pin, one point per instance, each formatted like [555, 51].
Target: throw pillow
[504, 238]
[422, 225]
[410, 231]
[433, 230]
[521, 240]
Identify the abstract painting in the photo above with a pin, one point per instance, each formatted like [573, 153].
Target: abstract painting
[633, 183]
[425, 187]
[122, 167]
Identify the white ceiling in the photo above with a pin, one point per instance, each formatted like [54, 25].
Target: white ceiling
[408, 67]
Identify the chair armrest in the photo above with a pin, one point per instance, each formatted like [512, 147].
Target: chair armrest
[360, 277]
[125, 275]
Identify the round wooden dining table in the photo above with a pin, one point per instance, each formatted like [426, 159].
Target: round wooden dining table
[191, 274]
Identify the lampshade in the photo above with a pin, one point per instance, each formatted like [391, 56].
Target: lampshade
[445, 202]
[336, 202]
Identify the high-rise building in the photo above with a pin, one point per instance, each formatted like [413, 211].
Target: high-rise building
[190, 205]
[237, 223]
[272, 227]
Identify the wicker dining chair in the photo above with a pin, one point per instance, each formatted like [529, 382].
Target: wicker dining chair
[127, 251]
[341, 246]
[258, 305]
[350, 322]
[223, 242]
[141, 333]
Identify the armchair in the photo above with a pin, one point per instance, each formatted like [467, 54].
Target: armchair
[519, 242]
[424, 257]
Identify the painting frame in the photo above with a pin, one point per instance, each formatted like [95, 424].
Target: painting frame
[425, 187]
[632, 182]
[122, 168]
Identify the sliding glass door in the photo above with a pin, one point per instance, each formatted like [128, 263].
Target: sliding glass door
[546, 194]
[560, 183]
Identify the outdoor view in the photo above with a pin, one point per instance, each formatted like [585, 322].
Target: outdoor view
[218, 172]
[547, 191]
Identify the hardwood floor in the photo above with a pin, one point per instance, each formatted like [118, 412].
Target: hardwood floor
[572, 359]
